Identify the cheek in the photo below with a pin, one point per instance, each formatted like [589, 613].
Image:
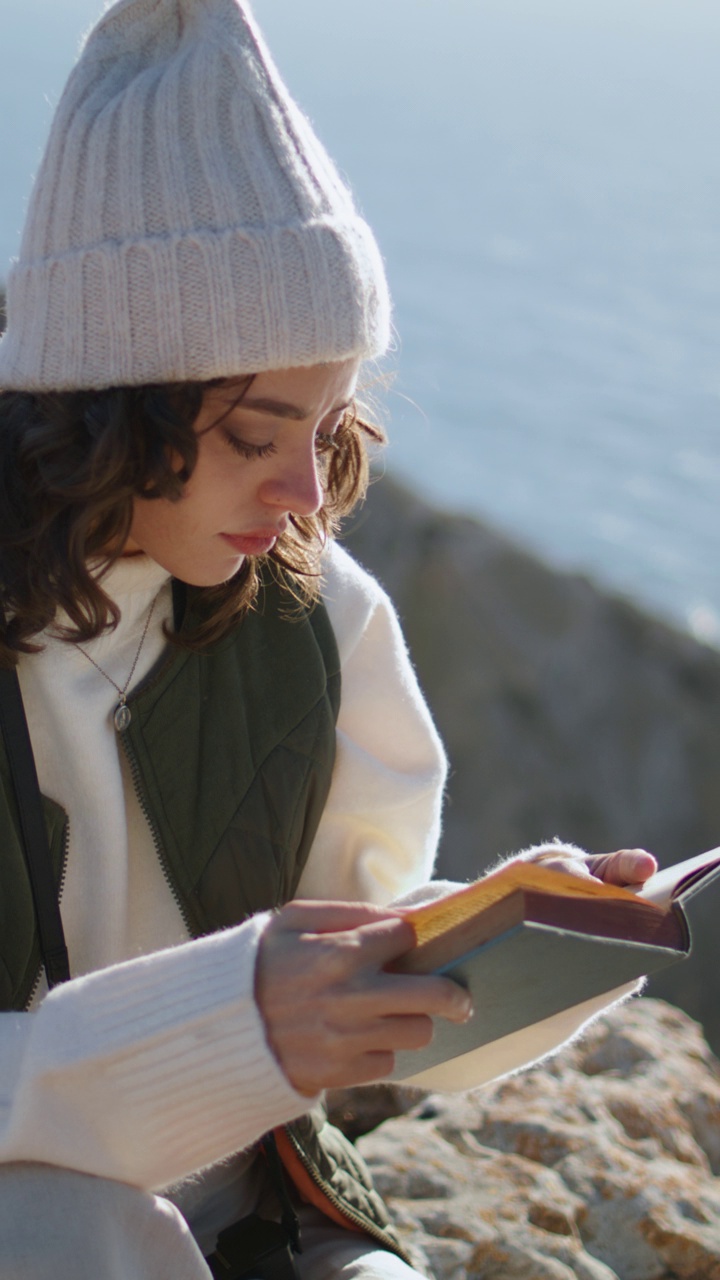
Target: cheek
[155, 522]
[221, 486]
[212, 497]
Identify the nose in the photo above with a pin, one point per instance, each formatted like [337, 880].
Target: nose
[294, 484]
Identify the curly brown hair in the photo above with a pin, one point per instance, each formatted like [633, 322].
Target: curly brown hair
[71, 464]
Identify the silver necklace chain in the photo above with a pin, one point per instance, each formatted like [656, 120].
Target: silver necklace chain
[122, 715]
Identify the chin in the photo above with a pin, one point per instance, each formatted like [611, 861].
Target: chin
[195, 576]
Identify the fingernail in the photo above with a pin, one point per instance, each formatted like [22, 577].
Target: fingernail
[466, 1009]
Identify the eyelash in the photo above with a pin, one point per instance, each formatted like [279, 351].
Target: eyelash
[324, 440]
[249, 451]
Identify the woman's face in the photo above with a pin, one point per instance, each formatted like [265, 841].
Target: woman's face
[256, 466]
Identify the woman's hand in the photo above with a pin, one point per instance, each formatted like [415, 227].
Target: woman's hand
[628, 868]
[333, 1017]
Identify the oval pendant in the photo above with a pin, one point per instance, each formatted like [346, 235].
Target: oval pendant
[122, 717]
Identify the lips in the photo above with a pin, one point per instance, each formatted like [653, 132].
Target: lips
[257, 543]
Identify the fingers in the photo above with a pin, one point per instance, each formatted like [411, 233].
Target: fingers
[386, 1035]
[389, 994]
[332, 1015]
[339, 1055]
[624, 867]
[351, 961]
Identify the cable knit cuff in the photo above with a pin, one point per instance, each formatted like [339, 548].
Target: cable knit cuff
[152, 1069]
[551, 850]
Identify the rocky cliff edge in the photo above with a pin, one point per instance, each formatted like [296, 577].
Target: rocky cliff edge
[601, 1164]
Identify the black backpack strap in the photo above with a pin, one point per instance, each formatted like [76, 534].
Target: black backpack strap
[289, 1219]
[13, 725]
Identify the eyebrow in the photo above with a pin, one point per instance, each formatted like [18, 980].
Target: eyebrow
[281, 409]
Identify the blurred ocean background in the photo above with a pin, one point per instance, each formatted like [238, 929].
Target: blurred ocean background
[544, 180]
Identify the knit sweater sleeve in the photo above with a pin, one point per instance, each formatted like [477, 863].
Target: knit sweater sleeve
[379, 832]
[145, 1071]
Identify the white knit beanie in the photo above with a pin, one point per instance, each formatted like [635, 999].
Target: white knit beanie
[186, 223]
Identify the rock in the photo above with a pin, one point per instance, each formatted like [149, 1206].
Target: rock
[358, 1110]
[565, 711]
[598, 1165]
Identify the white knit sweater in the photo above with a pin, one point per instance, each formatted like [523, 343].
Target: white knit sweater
[152, 1062]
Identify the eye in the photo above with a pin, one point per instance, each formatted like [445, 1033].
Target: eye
[330, 438]
[326, 440]
[249, 451]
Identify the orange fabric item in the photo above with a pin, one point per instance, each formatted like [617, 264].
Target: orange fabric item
[307, 1187]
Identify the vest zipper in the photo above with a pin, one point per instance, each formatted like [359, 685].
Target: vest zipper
[365, 1224]
[145, 809]
[61, 886]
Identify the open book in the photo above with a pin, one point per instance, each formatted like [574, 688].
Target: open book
[541, 952]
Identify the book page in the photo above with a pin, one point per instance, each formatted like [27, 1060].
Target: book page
[680, 882]
[434, 918]
[521, 1048]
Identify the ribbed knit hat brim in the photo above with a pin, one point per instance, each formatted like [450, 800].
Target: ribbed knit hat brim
[186, 223]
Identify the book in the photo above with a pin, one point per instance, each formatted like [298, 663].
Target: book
[541, 952]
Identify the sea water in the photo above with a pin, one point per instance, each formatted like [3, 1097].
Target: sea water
[544, 179]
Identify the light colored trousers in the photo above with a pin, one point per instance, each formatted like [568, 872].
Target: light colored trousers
[56, 1224]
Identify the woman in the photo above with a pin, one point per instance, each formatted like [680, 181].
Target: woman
[221, 708]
